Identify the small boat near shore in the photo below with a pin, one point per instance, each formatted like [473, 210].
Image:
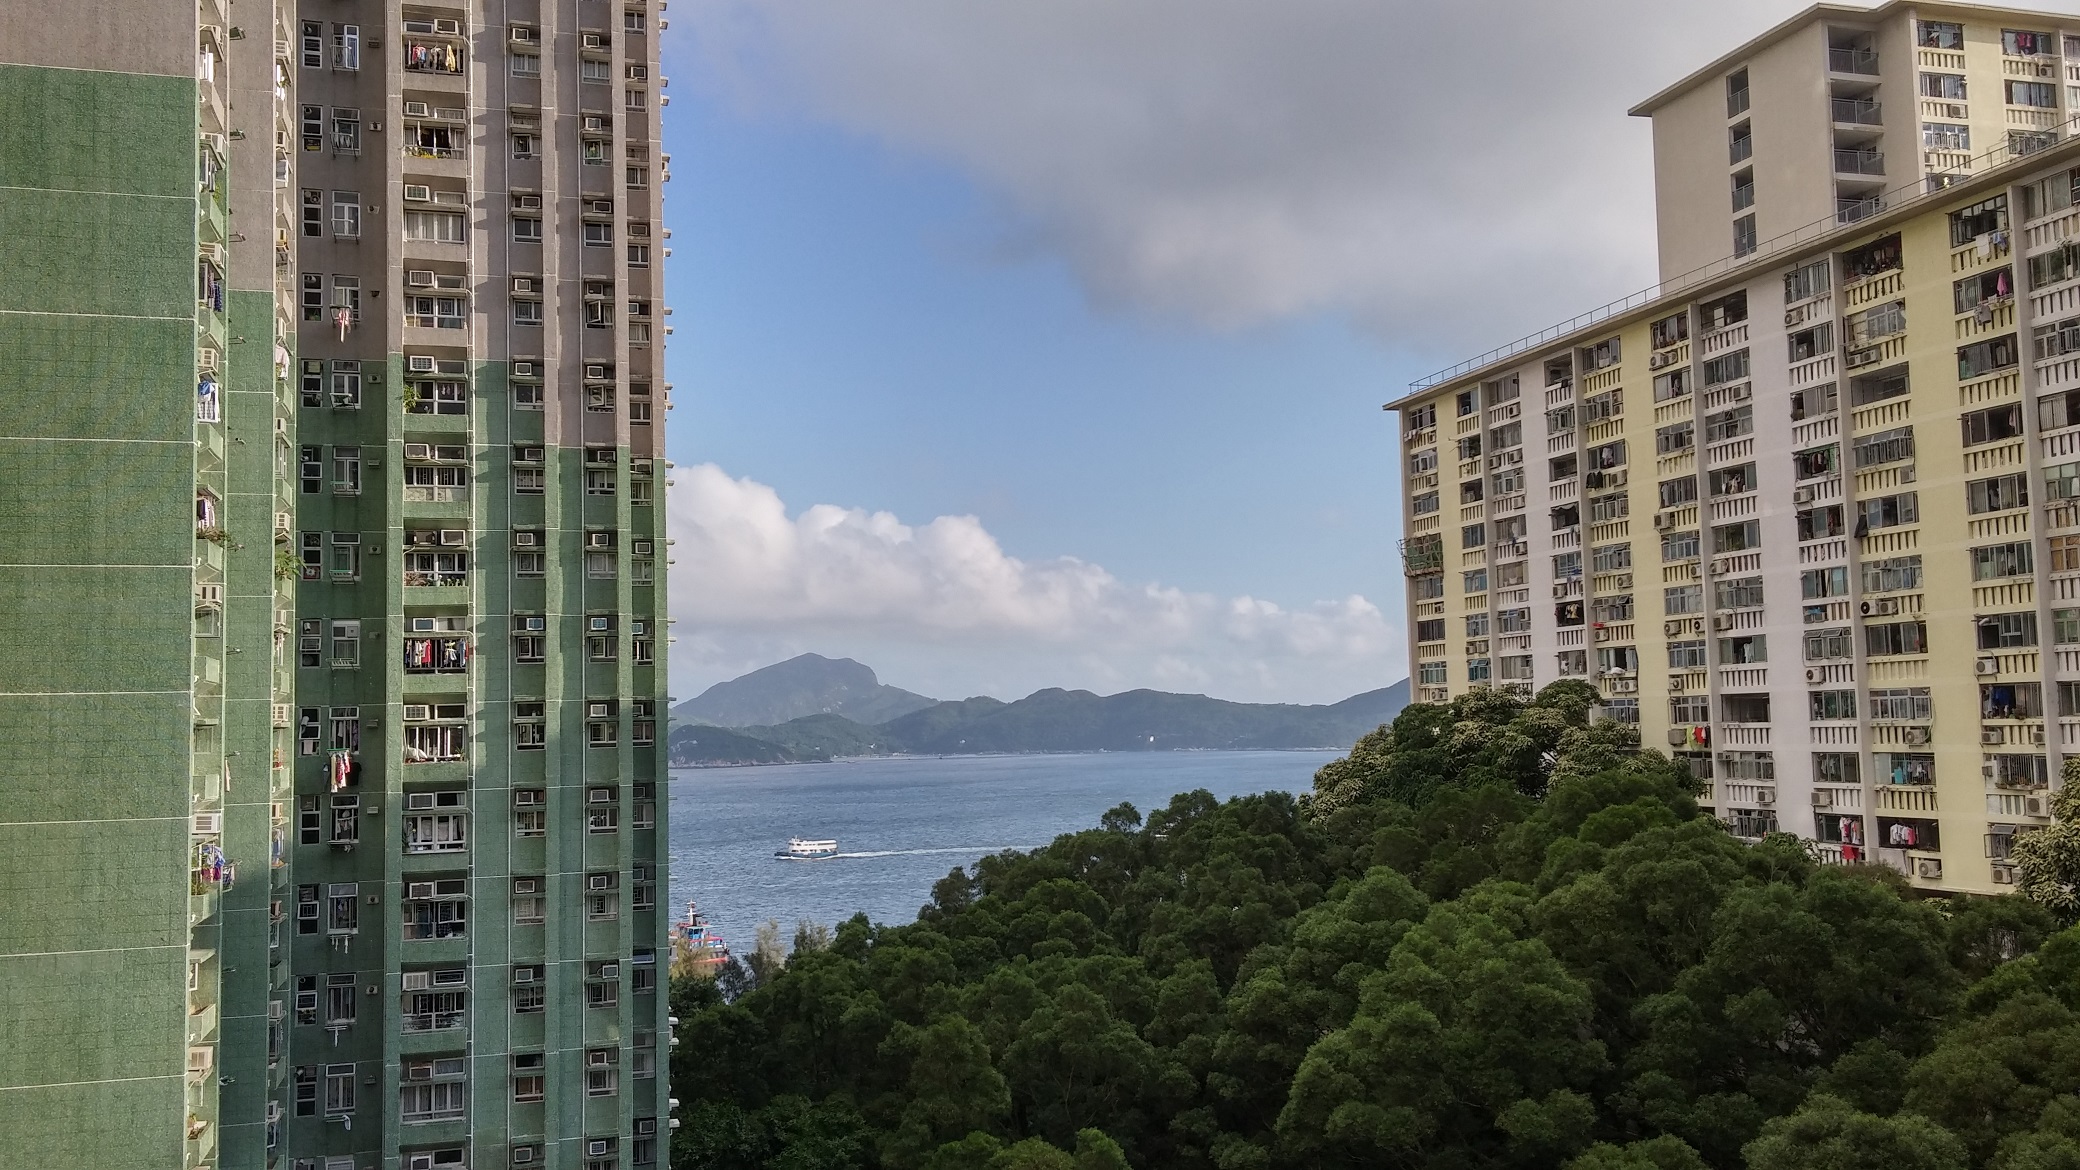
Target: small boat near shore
[802, 849]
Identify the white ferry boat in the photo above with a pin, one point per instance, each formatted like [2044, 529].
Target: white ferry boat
[799, 849]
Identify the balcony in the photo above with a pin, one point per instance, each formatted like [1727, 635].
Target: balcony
[1856, 112]
[1862, 62]
[449, 655]
[1858, 208]
[433, 1021]
[1859, 162]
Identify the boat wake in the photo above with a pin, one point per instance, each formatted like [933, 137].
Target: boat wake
[978, 849]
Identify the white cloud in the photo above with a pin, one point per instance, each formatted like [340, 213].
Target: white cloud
[941, 608]
[1448, 173]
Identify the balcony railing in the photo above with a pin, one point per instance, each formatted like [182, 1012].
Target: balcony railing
[1740, 150]
[1859, 162]
[433, 1021]
[1859, 61]
[1851, 210]
[1856, 111]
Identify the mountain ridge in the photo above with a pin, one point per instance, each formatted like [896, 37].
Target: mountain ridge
[807, 684]
[1051, 720]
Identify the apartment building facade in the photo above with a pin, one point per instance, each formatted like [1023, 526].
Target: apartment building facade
[1812, 522]
[335, 624]
[1812, 122]
[142, 802]
[477, 945]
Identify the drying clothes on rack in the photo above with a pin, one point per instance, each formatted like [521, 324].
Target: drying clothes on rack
[1902, 835]
[339, 770]
[342, 320]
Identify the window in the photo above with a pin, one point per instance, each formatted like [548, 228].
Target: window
[2065, 554]
[2056, 339]
[1997, 494]
[1809, 280]
[1992, 425]
[2041, 94]
[1680, 546]
[1686, 656]
[2001, 560]
[1433, 673]
[1812, 342]
[1603, 355]
[346, 731]
[1873, 258]
[432, 1090]
[2051, 267]
[1816, 462]
[435, 312]
[527, 146]
[1732, 481]
[602, 903]
[346, 645]
[1745, 239]
[437, 732]
[1877, 323]
[1831, 704]
[1431, 630]
[1728, 538]
[346, 215]
[1892, 574]
[1813, 402]
[1815, 583]
[1949, 87]
[1682, 599]
[1477, 670]
[339, 1089]
[529, 903]
[1731, 309]
[2007, 631]
[1730, 368]
[1829, 645]
[1672, 384]
[632, 21]
[1473, 535]
[1740, 143]
[346, 131]
[527, 1076]
[527, 990]
[1939, 34]
[346, 395]
[1611, 558]
[439, 227]
[1908, 704]
[1673, 440]
[526, 64]
[1744, 708]
[1895, 638]
[435, 823]
[1610, 507]
[1884, 447]
[435, 909]
[530, 810]
[1673, 493]
[1751, 648]
[527, 229]
[1741, 593]
[1888, 512]
[2065, 626]
[1736, 93]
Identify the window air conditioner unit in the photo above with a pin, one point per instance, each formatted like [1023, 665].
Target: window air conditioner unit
[593, 123]
[534, 625]
[214, 253]
[1816, 674]
[417, 110]
[448, 27]
[418, 712]
[415, 981]
[1765, 796]
[418, 801]
[2003, 875]
[2033, 806]
[216, 144]
[418, 278]
[421, 363]
[527, 540]
[209, 595]
[609, 971]
[2036, 736]
[1678, 682]
[1802, 496]
[280, 714]
[1992, 737]
[206, 824]
[598, 371]
[528, 202]
[1664, 519]
[1624, 580]
[1671, 629]
[1697, 625]
[1794, 317]
[1677, 737]
[592, 40]
[453, 537]
[201, 1058]
[1987, 666]
[1560, 591]
[1822, 798]
[418, 193]
[597, 711]
[598, 1148]
[525, 36]
[1656, 360]
[1723, 621]
[606, 540]
[1740, 393]
[1916, 736]
[645, 1126]
[418, 889]
[525, 370]
[206, 360]
[527, 885]
[418, 450]
[422, 625]
[599, 624]
[1928, 868]
[642, 548]
[529, 286]
[600, 206]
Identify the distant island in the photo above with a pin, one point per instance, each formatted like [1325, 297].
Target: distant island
[812, 708]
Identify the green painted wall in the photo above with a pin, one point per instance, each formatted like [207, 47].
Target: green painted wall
[98, 209]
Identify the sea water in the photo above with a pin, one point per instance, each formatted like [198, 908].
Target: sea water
[901, 824]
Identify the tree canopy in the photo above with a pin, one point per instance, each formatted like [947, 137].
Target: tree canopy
[1497, 934]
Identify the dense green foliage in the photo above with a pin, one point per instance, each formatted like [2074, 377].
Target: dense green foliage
[1054, 721]
[1496, 935]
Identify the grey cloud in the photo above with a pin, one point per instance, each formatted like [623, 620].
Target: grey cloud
[1446, 173]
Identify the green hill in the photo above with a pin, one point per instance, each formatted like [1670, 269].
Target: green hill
[808, 684]
[1056, 720]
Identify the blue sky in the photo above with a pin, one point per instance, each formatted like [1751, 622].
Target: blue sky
[1027, 345]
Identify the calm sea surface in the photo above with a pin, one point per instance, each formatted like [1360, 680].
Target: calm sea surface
[902, 823]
